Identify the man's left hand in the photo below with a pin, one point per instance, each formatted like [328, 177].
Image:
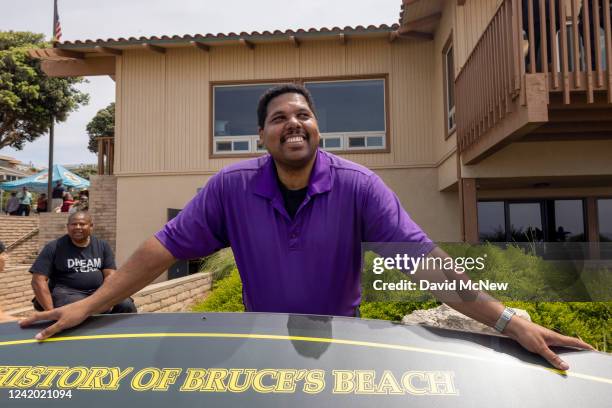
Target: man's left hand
[538, 339]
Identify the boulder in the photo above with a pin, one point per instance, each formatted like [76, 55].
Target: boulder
[448, 318]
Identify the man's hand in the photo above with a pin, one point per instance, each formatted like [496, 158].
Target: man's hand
[537, 339]
[66, 317]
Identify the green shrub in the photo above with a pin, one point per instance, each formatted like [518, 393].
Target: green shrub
[590, 321]
[226, 296]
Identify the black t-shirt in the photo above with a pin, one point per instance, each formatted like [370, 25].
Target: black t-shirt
[293, 198]
[58, 192]
[78, 268]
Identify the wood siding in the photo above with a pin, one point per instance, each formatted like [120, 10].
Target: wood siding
[443, 145]
[472, 19]
[163, 99]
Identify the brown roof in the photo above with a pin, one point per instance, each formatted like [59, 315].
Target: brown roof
[221, 37]
[415, 10]
[10, 159]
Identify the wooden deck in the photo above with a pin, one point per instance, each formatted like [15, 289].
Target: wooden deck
[527, 78]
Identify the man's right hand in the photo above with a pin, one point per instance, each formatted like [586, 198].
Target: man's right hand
[65, 317]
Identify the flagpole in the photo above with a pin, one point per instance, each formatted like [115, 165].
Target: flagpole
[52, 126]
[50, 170]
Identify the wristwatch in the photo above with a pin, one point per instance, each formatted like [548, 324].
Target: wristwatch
[503, 320]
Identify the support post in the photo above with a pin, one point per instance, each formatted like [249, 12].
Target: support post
[50, 169]
[469, 210]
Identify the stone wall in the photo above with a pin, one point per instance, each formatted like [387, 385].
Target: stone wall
[176, 295]
[52, 226]
[103, 208]
[13, 228]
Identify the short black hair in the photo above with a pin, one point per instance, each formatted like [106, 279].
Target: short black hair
[264, 101]
[2, 247]
[83, 214]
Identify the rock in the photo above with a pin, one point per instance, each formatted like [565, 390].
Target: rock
[446, 317]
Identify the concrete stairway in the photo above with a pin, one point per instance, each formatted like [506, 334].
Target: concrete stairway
[20, 235]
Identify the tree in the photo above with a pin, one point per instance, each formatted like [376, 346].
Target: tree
[28, 97]
[85, 170]
[103, 124]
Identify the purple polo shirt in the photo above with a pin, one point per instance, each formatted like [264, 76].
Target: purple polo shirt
[310, 264]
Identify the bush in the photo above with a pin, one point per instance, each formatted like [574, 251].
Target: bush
[226, 295]
[590, 321]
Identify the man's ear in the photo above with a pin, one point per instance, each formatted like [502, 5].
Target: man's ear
[260, 142]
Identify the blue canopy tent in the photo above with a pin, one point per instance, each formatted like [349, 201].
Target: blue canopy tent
[38, 182]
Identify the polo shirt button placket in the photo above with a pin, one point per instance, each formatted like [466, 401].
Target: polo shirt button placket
[293, 237]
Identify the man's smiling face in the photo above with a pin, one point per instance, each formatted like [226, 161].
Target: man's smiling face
[79, 227]
[290, 132]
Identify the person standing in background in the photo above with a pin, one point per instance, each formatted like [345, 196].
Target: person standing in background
[25, 202]
[68, 202]
[12, 205]
[57, 196]
[41, 203]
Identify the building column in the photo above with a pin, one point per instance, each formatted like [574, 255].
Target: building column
[468, 201]
[592, 227]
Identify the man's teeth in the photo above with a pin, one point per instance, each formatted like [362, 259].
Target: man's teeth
[294, 139]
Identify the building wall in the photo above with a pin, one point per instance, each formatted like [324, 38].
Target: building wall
[445, 145]
[471, 21]
[144, 200]
[52, 226]
[163, 123]
[558, 158]
[103, 207]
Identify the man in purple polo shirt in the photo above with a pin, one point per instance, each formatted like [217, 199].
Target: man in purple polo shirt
[299, 248]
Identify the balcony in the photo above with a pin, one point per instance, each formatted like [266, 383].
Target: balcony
[106, 155]
[540, 71]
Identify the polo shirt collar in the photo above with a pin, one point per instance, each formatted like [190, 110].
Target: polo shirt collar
[266, 184]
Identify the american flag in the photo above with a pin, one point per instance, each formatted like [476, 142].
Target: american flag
[57, 27]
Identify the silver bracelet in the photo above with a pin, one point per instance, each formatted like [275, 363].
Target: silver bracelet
[503, 320]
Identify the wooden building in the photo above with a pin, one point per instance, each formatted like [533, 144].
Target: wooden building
[453, 107]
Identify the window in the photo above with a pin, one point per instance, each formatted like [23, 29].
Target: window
[532, 221]
[351, 115]
[235, 127]
[526, 222]
[568, 225]
[604, 215]
[448, 68]
[491, 221]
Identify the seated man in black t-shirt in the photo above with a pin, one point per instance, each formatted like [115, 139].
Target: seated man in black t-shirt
[72, 267]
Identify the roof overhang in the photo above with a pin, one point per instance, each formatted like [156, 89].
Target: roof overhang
[12, 172]
[97, 57]
[57, 62]
[421, 17]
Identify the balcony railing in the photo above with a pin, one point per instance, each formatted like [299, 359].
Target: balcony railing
[106, 155]
[568, 41]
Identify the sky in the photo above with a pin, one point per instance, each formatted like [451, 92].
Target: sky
[93, 19]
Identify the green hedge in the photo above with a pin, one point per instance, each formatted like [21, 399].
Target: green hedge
[226, 295]
[590, 321]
